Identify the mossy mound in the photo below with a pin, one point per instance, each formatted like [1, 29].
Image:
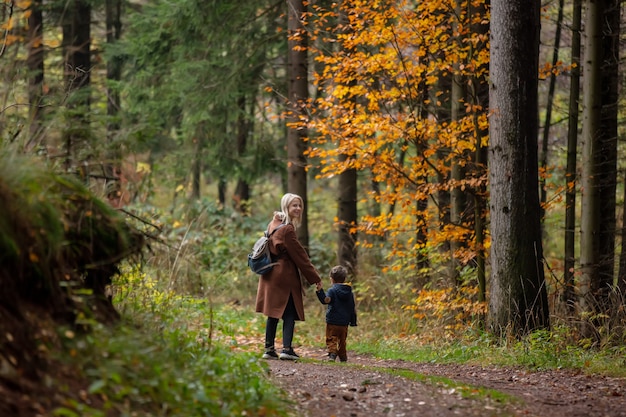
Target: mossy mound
[59, 247]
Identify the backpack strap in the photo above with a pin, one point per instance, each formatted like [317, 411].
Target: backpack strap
[269, 235]
[277, 227]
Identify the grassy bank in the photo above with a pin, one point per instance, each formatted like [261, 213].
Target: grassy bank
[171, 356]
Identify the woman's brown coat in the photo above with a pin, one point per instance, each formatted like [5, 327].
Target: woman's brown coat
[275, 286]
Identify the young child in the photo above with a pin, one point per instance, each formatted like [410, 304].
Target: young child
[340, 313]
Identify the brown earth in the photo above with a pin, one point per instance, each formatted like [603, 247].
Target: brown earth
[362, 388]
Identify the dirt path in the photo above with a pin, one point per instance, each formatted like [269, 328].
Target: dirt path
[361, 388]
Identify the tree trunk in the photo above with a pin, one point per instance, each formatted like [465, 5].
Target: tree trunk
[518, 296]
[35, 63]
[441, 107]
[606, 156]
[543, 192]
[242, 190]
[114, 65]
[197, 167]
[77, 60]
[458, 200]
[221, 191]
[478, 95]
[590, 211]
[297, 96]
[422, 262]
[112, 167]
[570, 174]
[347, 193]
[621, 277]
[347, 215]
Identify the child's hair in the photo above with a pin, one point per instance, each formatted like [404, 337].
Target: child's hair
[280, 216]
[338, 273]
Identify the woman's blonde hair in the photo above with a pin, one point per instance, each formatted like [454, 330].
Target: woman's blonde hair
[284, 208]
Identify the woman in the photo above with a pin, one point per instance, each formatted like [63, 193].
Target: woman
[280, 292]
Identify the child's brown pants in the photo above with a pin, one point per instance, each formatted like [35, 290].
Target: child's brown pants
[336, 340]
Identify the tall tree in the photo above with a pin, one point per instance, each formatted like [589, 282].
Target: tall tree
[458, 200]
[347, 216]
[599, 172]
[35, 63]
[570, 172]
[112, 167]
[606, 156]
[543, 163]
[478, 97]
[242, 191]
[76, 24]
[113, 13]
[518, 297]
[297, 92]
[590, 141]
[199, 141]
[347, 191]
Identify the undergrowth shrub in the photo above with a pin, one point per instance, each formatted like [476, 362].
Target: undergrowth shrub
[201, 249]
[446, 312]
[171, 372]
[173, 356]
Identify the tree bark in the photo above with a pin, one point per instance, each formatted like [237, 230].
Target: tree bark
[35, 63]
[347, 193]
[77, 60]
[518, 297]
[242, 191]
[347, 215]
[543, 192]
[478, 95]
[114, 65]
[458, 198]
[592, 102]
[606, 157]
[569, 295]
[442, 101]
[297, 92]
[112, 167]
[197, 167]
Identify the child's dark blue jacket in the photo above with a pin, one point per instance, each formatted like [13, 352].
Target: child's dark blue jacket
[341, 310]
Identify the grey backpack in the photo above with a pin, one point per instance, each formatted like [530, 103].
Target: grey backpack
[260, 259]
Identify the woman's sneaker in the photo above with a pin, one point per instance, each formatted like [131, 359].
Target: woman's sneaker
[289, 355]
[270, 354]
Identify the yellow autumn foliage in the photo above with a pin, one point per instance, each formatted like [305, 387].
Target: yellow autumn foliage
[383, 105]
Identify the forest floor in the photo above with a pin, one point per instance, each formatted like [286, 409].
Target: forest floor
[370, 387]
